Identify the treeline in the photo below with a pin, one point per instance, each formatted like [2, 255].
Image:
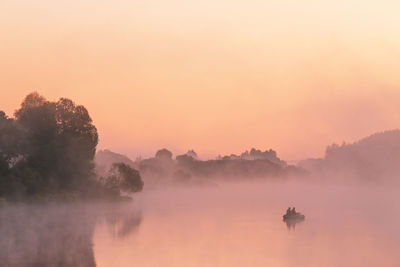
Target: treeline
[372, 158]
[47, 151]
[188, 168]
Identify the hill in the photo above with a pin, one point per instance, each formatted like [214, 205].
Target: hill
[373, 157]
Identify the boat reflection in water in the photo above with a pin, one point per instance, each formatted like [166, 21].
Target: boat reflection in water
[291, 218]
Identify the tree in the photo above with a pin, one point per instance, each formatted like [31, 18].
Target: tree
[164, 154]
[38, 145]
[9, 152]
[192, 154]
[123, 178]
[77, 139]
[48, 147]
[8, 142]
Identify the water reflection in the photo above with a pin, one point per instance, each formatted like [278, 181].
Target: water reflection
[291, 223]
[291, 218]
[122, 223]
[58, 235]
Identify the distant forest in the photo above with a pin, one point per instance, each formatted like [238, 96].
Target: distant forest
[189, 169]
[374, 158]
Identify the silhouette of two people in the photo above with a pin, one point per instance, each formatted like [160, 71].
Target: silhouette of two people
[291, 224]
[291, 211]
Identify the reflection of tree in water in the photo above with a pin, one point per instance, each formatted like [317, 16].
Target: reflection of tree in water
[46, 236]
[51, 235]
[123, 220]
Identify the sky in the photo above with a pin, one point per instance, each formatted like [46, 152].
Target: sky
[218, 77]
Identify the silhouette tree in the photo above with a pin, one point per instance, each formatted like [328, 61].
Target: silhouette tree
[123, 178]
[164, 154]
[48, 147]
[192, 154]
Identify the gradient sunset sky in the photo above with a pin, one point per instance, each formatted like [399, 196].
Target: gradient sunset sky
[218, 77]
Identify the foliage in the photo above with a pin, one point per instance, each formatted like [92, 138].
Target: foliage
[164, 154]
[48, 147]
[123, 178]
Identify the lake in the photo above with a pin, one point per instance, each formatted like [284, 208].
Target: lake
[227, 225]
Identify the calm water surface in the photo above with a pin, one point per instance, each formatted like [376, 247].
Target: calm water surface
[229, 225]
[240, 225]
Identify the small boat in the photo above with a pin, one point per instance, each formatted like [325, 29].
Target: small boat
[294, 217]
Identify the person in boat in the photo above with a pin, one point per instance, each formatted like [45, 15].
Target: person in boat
[294, 211]
[288, 211]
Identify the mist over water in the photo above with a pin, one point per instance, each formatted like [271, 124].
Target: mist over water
[59, 234]
[234, 224]
[241, 225]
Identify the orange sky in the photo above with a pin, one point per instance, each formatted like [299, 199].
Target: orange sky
[218, 77]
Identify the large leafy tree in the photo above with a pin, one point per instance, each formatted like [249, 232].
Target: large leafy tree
[48, 146]
[77, 139]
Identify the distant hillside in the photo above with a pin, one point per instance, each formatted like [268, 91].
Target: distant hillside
[373, 157]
